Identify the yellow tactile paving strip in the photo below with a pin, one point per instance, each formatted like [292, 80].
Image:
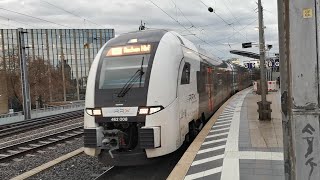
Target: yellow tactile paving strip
[182, 167]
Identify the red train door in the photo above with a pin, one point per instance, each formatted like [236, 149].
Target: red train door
[209, 88]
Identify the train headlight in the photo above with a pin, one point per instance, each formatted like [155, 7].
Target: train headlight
[150, 110]
[89, 112]
[154, 110]
[93, 112]
[97, 112]
[144, 110]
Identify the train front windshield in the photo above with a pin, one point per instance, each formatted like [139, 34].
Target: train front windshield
[123, 65]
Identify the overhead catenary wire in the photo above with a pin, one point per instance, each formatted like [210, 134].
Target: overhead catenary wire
[51, 22]
[207, 25]
[8, 25]
[229, 24]
[6, 18]
[192, 25]
[234, 17]
[239, 30]
[185, 27]
[235, 31]
[69, 12]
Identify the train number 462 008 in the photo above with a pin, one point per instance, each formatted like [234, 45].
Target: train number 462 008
[119, 119]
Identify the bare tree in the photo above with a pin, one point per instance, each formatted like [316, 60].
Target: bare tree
[40, 71]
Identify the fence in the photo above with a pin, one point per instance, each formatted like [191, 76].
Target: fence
[37, 113]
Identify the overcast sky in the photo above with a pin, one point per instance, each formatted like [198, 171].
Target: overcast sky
[232, 22]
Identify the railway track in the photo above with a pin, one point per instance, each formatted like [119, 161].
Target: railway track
[101, 176]
[159, 169]
[18, 149]
[13, 128]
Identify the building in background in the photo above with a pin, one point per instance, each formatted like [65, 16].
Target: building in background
[58, 62]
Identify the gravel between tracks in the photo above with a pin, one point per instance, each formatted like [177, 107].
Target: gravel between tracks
[35, 133]
[16, 167]
[77, 168]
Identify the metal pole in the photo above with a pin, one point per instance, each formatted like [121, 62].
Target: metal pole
[49, 65]
[62, 68]
[24, 76]
[76, 61]
[264, 106]
[88, 47]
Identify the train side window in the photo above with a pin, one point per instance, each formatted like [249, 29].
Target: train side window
[185, 77]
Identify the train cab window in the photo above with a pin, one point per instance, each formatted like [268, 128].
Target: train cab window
[185, 77]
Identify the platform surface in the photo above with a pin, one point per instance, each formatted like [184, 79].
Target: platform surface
[235, 145]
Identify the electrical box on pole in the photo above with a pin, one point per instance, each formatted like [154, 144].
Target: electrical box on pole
[299, 65]
[247, 45]
[24, 76]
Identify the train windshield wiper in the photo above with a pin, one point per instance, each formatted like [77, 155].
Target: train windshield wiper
[137, 75]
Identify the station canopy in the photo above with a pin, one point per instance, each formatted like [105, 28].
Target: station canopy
[246, 54]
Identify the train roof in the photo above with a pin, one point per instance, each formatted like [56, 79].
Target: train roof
[145, 36]
[155, 35]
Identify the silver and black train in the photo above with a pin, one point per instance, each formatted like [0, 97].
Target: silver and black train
[148, 92]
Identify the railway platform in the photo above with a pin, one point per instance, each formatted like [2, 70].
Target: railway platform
[235, 145]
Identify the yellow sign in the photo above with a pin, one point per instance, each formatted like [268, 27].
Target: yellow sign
[307, 13]
[129, 50]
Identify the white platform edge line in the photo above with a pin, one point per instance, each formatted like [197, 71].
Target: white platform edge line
[194, 163]
[214, 141]
[227, 111]
[229, 107]
[216, 135]
[211, 149]
[203, 173]
[221, 125]
[224, 120]
[220, 122]
[224, 117]
[231, 163]
[212, 171]
[215, 130]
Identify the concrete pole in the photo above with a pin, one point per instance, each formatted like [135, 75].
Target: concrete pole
[284, 82]
[299, 56]
[24, 76]
[262, 53]
[264, 106]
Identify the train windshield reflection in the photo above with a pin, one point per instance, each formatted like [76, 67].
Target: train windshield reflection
[117, 71]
